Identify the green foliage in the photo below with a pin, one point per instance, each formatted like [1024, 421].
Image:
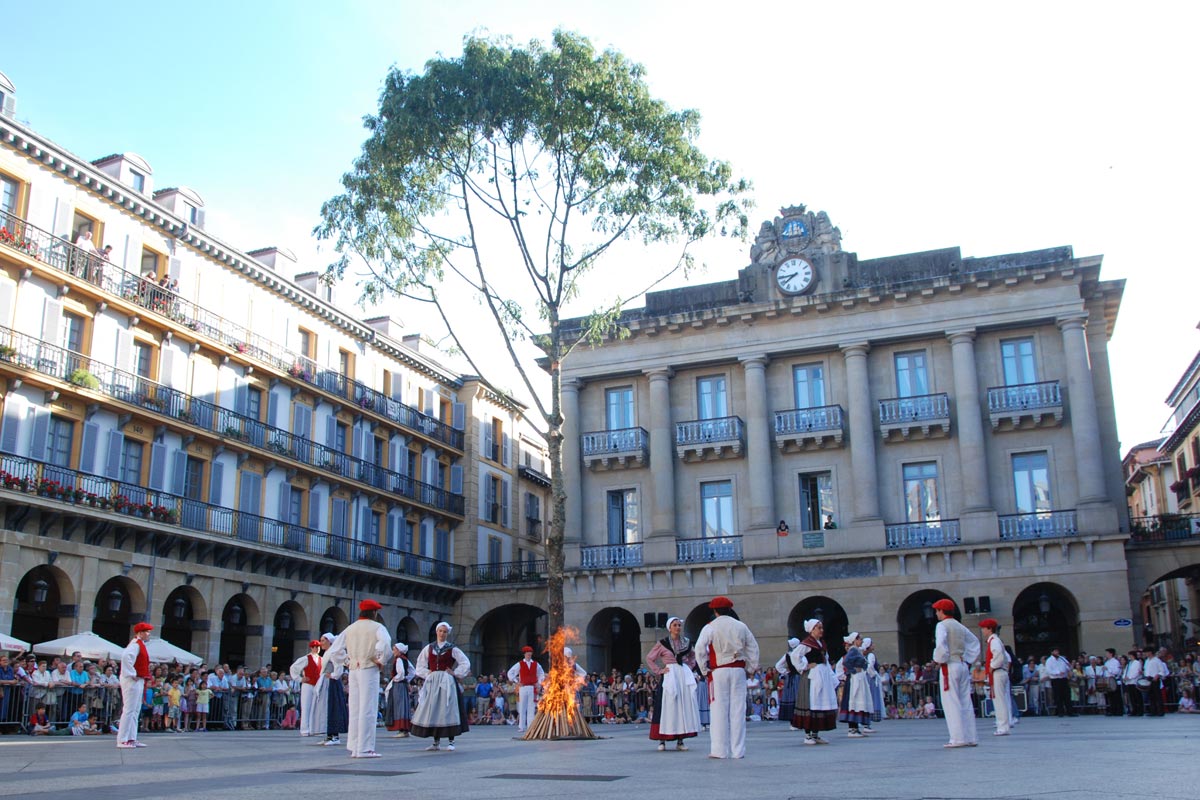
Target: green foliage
[81, 377]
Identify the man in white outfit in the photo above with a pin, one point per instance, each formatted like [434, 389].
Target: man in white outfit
[135, 669]
[726, 653]
[995, 660]
[955, 649]
[307, 670]
[528, 674]
[367, 648]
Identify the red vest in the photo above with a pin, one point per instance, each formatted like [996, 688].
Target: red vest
[141, 664]
[444, 662]
[528, 673]
[312, 670]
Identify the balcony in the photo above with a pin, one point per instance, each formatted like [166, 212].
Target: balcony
[926, 416]
[915, 535]
[62, 256]
[24, 476]
[809, 428]
[700, 551]
[1028, 405]
[533, 529]
[611, 556]
[1164, 528]
[508, 572]
[710, 439]
[179, 407]
[1038, 525]
[619, 449]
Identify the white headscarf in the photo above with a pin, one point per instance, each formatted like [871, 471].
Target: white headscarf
[673, 619]
[793, 643]
[329, 637]
[850, 637]
[809, 624]
[446, 625]
[402, 647]
[866, 643]
[568, 652]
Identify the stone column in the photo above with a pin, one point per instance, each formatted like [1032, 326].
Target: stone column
[758, 444]
[572, 469]
[971, 454]
[662, 454]
[1081, 399]
[861, 414]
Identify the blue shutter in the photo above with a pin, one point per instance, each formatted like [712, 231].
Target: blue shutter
[506, 452]
[272, 409]
[486, 438]
[51, 321]
[250, 497]
[314, 511]
[87, 447]
[241, 397]
[456, 479]
[158, 466]
[178, 472]
[330, 431]
[364, 524]
[356, 448]
[11, 430]
[407, 526]
[460, 416]
[112, 467]
[41, 434]
[504, 502]
[441, 548]
[337, 522]
[216, 477]
[285, 492]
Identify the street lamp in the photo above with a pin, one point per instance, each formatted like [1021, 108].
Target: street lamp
[235, 614]
[41, 590]
[179, 608]
[114, 601]
[1044, 604]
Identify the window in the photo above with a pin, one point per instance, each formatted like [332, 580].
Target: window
[58, 450]
[495, 550]
[73, 332]
[191, 213]
[151, 262]
[618, 404]
[808, 382]
[376, 521]
[623, 517]
[143, 360]
[131, 461]
[716, 509]
[912, 379]
[1016, 356]
[10, 195]
[921, 492]
[1031, 482]
[138, 180]
[339, 437]
[491, 509]
[82, 222]
[493, 438]
[295, 506]
[193, 478]
[254, 397]
[346, 363]
[816, 501]
[308, 343]
[712, 397]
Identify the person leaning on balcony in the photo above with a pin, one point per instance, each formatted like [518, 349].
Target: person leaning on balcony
[782, 530]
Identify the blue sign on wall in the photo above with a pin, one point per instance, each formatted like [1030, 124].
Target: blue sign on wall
[1122, 623]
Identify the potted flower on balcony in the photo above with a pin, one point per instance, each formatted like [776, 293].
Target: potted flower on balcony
[7, 352]
[81, 377]
[366, 402]
[186, 416]
[241, 347]
[298, 370]
[120, 502]
[1194, 473]
[1178, 486]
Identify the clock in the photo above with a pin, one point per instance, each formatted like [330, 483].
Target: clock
[795, 275]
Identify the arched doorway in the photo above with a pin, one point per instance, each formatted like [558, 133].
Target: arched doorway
[697, 618]
[238, 620]
[831, 613]
[614, 641]
[1169, 615]
[1045, 616]
[118, 605]
[915, 622]
[291, 626]
[182, 610]
[333, 621]
[43, 594]
[500, 634]
[408, 633]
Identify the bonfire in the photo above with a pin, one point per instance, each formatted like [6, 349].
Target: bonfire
[558, 714]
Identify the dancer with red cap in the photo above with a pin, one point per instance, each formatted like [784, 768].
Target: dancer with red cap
[528, 674]
[135, 670]
[307, 670]
[996, 662]
[367, 648]
[955, 649]
[726, 652]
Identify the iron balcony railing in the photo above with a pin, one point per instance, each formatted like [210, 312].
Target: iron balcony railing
[20, 474]
[164, 401]
[804, 420]
[704, 431]
[611, 556]
[625, 440]
[1038, 525]
[1164, 528]
[930, 533]
[65, 257]
[508, 572]
[1046, 394]
[716, 548]
[898, 410]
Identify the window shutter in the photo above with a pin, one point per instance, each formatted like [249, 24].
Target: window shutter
[178, 472]
[330, 431]
[272, 409]
[488, 495]
[174, 269]
[250, 498]
[356, 448]
[460, 416]
[441, 550]
[285, 491]
[216, 477]
[504, 492]
[63, 212]
[51, 321]
[401, 458]
[456, 478]
[302, 421]
[507, 454]
[11, 431]
[112, 467]
[41, 433]
[397, 387]
[337, 523]
[314, 511]
[364, 524]
[125, 350]
[166, 370]
[200, 218]
[241, 397]
[8, 291]
[10, 106]
[485, 436]
[158, 466]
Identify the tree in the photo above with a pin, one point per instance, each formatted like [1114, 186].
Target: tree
[513, 171]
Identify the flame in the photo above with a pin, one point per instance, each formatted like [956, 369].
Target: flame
[561, 684]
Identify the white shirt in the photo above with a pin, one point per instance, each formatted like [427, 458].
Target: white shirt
[1112, 668]
[731, 641]
[1133, 671]
[514, 672]
[997, 655]
[1155, 668]
[364, 643]
[462, 664]
[1058, 667]
[953, 641]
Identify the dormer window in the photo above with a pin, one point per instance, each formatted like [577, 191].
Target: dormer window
[191, 214]
[138, 180]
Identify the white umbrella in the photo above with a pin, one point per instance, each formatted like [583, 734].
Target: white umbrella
[87, 643]
[163, 652]
[12, 643]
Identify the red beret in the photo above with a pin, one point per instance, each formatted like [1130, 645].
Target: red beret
[315, 643]
[142, 626]
[989, 623]
[944, 605]
[369, 605]
[720, 602]
[526, 649]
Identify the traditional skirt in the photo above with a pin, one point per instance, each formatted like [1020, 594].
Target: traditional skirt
[855, 708]
[816, 690]
[440, 710]
[397, 712]
[702, 701]
[338, 721]
[787, 698]
[675, 713]
[876, 698]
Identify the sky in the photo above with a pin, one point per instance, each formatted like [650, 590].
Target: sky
[994, 128]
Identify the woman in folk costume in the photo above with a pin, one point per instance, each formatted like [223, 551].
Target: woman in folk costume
[868, 648]
[439, 705]
[676, 714]
[791, 682]
[337, 714]
[856, 696]
[816, 694]
[397, 713]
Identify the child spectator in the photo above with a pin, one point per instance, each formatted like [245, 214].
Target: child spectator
[174, 701]
[641, 716]
[80, 723]
[1186, 704]
[39, 722]
[291, 720]
[203, 696]
[930, 709]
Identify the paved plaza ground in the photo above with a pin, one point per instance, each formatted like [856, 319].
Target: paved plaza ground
[1046, 757]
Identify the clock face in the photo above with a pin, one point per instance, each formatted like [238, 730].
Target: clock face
[795, 275]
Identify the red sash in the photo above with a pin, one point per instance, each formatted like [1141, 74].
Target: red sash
[946, 677]
[712, 656]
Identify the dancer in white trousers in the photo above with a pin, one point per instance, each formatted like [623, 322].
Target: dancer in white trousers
[135, 669]
[528, 674]
[955, 649]
[726, 653]
[307, 670]
[367, 648]
[995, 661]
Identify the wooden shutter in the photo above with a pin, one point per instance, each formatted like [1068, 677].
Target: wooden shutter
[504, 492]
[459, 417]
[41, 433]
[112, 466]
[11, 430]
[456, 478]
[158, 466]
[216, 477]
[178, 472]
